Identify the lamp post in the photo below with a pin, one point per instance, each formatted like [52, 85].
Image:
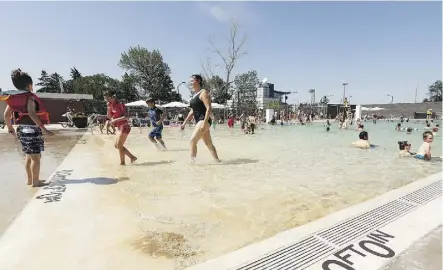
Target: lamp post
[344, 90]
[416, 90]
[392, 98]
[178, 87]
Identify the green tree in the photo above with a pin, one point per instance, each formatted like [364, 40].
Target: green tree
[128, 89]
[49, 83]
[151, 73]
[275, 105]
[75, 74]
[246, 87]
[434, 92]
[216, 86]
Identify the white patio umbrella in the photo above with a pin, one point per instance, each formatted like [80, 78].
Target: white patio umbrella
[138, 103]
[366, 109]
[218, 106]
[378, 109]
[174, 104]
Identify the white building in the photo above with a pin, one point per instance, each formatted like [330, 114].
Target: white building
[263, 95]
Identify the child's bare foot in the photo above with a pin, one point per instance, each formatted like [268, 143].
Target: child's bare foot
[29, 182]
[133, 159]
[122, 164]
[39, 184]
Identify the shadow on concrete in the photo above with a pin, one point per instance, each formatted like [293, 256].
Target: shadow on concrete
[95, 180]
[178, 150]
[236, 161]
[152, 163]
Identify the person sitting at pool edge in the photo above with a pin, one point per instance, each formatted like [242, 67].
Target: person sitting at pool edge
[424, 152]
[405, 149]
[363, 142]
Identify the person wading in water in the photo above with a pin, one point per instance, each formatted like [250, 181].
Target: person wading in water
[201, 109]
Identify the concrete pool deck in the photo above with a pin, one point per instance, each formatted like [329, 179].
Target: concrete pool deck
[80, 223]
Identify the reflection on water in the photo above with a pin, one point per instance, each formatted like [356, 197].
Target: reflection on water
[275, 180]
[14, 193]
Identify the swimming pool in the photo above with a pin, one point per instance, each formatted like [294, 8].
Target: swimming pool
[277, 179]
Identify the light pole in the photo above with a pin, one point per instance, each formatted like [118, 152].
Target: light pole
[416, 90]
[344, 90]
[178, 87]
[392, 98]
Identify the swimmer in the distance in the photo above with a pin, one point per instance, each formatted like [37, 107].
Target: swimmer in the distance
[363, 142]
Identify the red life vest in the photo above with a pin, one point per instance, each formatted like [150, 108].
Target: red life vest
[17, 100]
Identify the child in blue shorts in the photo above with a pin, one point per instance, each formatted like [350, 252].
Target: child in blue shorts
[156, 116]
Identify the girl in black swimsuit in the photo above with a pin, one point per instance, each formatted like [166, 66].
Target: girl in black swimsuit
[201, 110]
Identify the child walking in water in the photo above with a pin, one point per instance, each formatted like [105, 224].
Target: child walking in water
[156, 116]
[25, 105]
[118, 115]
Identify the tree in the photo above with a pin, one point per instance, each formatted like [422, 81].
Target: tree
[434, 92]
[150, 72]
[128, 89]
[229, 59]
[75, 74]
[246, 91]
[49, 83]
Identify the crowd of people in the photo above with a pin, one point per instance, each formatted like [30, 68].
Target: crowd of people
[27, 109]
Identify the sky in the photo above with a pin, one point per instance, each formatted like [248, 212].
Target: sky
[378, 48]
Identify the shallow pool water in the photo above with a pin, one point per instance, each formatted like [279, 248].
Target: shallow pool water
[277, 179]
[14, 193]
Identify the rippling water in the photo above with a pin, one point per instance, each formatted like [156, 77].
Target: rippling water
[275, 180]
[14, 193]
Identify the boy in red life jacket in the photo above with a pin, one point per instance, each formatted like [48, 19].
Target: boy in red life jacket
[25, 105]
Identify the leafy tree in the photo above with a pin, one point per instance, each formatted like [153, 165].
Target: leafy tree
[49, 83]
[216, 86]
[274, 105]
[95, 85]
[434, 92]
[246, 86]
[75, 74]
[150, 72]
[128, 89]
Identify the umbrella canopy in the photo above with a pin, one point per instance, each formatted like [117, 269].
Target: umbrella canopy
[378, 109]
[217, 106]
[174, 104]
[366, 109]
[138, 103]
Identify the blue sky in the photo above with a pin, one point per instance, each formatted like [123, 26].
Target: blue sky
[377, 47]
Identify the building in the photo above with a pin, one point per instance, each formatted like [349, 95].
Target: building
[56, 104]
[267, 94]
[263, 95]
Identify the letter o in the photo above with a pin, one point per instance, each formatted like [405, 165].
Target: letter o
[390, 253]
